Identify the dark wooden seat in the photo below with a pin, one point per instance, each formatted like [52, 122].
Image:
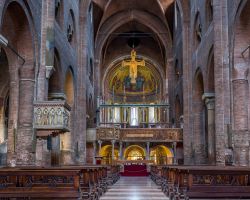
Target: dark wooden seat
[40, 184]
[184, 182]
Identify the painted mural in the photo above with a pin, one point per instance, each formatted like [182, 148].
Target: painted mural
[120, 81]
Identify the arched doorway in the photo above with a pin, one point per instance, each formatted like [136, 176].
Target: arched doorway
[134, 152]
[161, 155]
[106, 154]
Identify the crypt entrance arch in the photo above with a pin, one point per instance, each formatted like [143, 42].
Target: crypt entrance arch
[161, 155]
[134, 152]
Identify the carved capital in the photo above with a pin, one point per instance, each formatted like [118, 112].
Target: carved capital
[209, 99]
[49, 71]
[241, 70]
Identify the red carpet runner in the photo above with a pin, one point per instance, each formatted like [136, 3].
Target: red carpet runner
[135, 170]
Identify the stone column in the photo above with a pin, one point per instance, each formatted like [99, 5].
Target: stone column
[148, 151]
[113, 149]
[13, 114]
[120, 151]
[210, 105]
[26, 137]
[240, 104]
[100, 147]
[175, 152]
[55, 152]
[240, 113]
[94, 152]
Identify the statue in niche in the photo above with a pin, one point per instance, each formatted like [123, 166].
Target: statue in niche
[127, 82]
[139, 83]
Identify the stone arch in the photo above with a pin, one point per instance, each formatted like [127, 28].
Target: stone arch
[106, 154]
[199, 138]
[69, 87]
[59, 12]
[55, 81]
[209, 12]
[161, 155]
[71, 29]
[241, 67]
[197, 31]
[17, 27]
[4, 96]
[139, 152]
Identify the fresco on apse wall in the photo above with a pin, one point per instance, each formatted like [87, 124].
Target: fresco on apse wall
[120, 81]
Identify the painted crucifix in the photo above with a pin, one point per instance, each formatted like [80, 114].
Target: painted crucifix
[133, 64]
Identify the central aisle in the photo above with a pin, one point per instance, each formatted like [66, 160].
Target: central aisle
[134, 188]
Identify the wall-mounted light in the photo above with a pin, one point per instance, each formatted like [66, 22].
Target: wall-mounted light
[5, 42]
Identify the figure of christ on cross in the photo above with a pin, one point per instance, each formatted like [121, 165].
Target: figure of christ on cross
[133, 64]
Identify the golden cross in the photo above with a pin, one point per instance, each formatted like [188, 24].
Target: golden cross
[133, 64]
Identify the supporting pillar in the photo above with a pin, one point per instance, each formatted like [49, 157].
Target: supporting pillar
[210, 105]
[100, 147]
[113, 150]
[26, 137]
[148, 151]
[240, 113]
[94, 152]
[120, 151]
[175, 152]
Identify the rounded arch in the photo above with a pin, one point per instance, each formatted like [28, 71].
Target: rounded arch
[134, 152]
[17, 26]
[16, 14]
[152, 65]
[69, 86]
[4, 95]
[161, 154]
[241, 37]
[55, 81]
[106, 154]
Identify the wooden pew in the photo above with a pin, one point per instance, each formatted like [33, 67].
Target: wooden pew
[41, 184]
[79, 182]
[186, 182]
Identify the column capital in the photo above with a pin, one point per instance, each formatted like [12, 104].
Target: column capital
[113, 142]
[99, 142]
[209, 99]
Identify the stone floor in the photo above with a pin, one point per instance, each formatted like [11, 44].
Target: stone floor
[134, 188]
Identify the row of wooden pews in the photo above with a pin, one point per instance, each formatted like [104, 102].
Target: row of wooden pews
[87, 182]
[190, 182]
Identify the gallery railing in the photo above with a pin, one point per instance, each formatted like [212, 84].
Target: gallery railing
[134, 115]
